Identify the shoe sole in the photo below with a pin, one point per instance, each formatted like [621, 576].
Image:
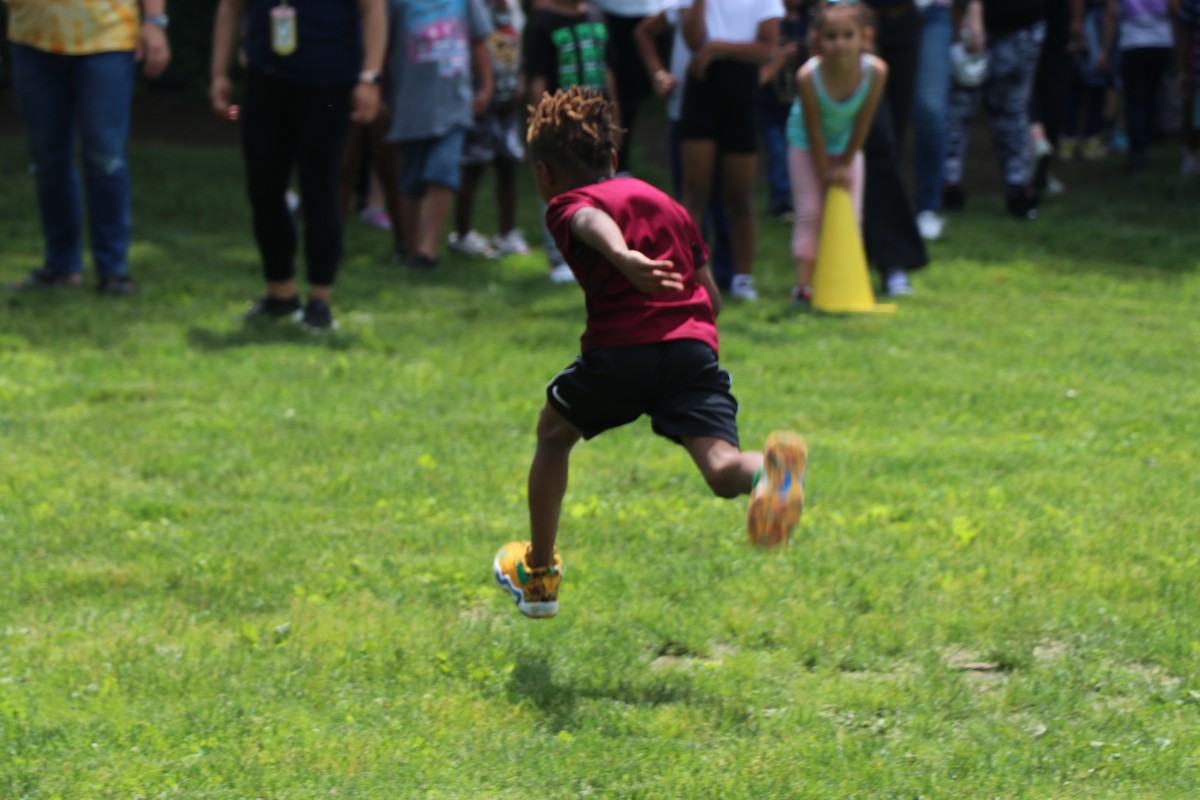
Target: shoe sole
[776, 511]
[532, 610]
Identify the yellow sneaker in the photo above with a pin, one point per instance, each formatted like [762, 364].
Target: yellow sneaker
[534, 590]
[777, 501]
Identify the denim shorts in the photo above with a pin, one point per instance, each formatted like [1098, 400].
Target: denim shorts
[435, 161]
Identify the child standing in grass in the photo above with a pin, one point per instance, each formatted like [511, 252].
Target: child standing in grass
[650, 345]
[839, 90]
[565, 45]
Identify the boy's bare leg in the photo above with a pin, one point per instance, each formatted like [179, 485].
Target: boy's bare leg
[464, 209]
[728, 471]
[435, 207]
[548, 483]
[506, 195]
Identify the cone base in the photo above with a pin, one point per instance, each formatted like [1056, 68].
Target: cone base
[878, 308]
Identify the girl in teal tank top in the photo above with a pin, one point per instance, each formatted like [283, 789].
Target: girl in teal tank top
[839, 90]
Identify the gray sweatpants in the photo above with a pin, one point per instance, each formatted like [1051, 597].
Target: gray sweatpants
[1012, 62]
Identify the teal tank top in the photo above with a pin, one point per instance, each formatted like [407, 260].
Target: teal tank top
[837, 119]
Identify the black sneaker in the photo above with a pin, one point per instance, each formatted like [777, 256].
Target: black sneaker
[423, 262]
[116, 286]
[45, 279]
[272, 309]
[1022, 203]
[953, 198]
[317, 317]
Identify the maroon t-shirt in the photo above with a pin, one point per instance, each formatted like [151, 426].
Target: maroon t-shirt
[618, 315]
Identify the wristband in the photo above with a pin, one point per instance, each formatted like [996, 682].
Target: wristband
[158, 20]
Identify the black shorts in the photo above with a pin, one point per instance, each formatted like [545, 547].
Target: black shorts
[722, 107]
[679, 384]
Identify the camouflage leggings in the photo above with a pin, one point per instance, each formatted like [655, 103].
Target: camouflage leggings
[1012, 61]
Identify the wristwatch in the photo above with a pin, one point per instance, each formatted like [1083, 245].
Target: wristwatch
[158, 20]
[371, 76]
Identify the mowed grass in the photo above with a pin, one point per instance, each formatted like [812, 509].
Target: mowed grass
[257, 564]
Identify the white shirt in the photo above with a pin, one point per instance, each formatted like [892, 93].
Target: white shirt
[681, 56]
[630, 8]
[737, 21]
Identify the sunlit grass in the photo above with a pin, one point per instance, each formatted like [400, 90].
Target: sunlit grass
[243, 564]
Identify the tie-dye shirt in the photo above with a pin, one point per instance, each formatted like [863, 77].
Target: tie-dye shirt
[74, 27]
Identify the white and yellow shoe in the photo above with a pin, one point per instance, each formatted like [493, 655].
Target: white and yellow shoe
[777, 500]
[535, 590]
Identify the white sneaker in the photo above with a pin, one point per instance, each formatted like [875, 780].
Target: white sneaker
[1054, 186]
[472, 243]
[510, 244]
[931, 225]
[898, 284]
[561, 273]
[742, 288]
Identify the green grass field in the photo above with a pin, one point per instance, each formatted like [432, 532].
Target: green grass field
[257, 564]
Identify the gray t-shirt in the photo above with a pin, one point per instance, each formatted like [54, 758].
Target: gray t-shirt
[429, 65]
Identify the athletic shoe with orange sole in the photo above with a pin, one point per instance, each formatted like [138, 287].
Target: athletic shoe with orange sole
[777, 500]
[534, 590]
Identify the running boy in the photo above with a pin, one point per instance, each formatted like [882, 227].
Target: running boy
[650, 345]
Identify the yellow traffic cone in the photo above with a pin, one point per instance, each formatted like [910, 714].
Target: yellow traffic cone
[840, 281]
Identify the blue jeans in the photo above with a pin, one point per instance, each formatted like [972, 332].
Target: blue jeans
[779, 182]
[54, 93]
[932, 101]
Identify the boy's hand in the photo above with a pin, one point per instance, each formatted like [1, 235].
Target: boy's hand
[646, 274]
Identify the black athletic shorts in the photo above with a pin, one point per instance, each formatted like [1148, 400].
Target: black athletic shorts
[679, 384]
[722, 107]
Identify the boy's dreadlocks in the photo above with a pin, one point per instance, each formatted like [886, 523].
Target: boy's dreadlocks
[573, 128]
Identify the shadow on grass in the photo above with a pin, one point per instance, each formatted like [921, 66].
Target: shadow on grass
[533, 679]
[251, 336]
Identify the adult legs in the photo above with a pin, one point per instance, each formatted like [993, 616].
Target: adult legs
[506, 195]
[45, 87]
[324, 124]
[105, 96]
[931, 105]
[959, 113]
[890, 234]
[1012, 62]
[899, 43]
[738, 171]
[779, 184]
[270, 125]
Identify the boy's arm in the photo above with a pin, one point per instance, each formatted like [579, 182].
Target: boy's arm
[600, 232]
[704, 277]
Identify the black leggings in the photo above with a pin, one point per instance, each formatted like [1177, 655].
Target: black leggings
[286, 125]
